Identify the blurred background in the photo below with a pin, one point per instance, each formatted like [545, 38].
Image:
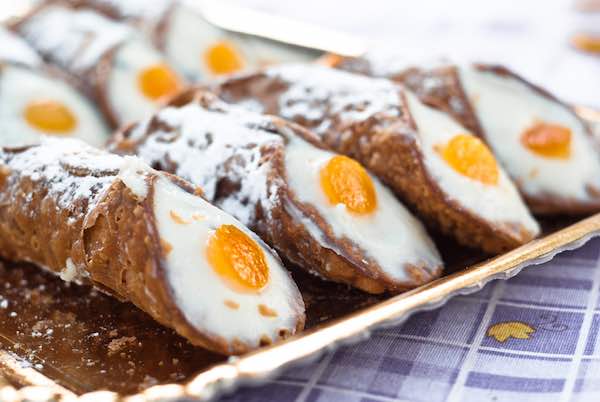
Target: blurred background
[536, 37]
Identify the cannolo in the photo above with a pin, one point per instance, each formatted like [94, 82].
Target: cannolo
[319, 210]
[145, 237]
[119, 69]
[194, 46]
[35, 101]
[433, 163]
[546, 148]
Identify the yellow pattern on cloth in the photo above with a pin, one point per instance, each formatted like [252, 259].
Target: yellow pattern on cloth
[502, 331]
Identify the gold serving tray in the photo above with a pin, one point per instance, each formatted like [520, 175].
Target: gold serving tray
[64, 342]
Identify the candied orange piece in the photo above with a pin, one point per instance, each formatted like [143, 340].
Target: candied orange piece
[587, 43]
[51, 117]
[223, 58]
[237, 258]
[469, 156]
[548, 140]
[345, 181]
[158, 81]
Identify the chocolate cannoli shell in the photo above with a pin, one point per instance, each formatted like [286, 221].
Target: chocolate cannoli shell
[91, 81]
[153, 23]
[552, 204]
[276, 223]
[91, 78]
[389, 148]
[440, 87]
[109, 239]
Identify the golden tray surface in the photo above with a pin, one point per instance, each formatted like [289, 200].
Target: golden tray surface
[66, 342]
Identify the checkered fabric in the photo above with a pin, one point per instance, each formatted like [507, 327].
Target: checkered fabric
[531, 338]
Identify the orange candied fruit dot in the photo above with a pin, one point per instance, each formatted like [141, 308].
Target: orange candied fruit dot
[237, 258]
[548, 140]
[223, 58]
[330, 60]
[158, 81]
[345, 181]
[51, 117]
[469, 156]
[587, 43]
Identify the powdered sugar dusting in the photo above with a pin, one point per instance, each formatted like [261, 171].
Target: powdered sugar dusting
[148, 11]
[134, 8]
[70, 272]
[16, 50]
[208, 147]
[133, 174]
[386, 62]
[71, 171]
[318, 94]
[428, 83]
[74, 39]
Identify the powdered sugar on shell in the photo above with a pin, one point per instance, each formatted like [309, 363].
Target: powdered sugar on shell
[16, 50]
[54, 164]
[74, 39]
[200, 144]
[200, 141]
[317, 92]
[76, 174]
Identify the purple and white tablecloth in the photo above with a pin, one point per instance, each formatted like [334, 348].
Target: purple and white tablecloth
[532, 338]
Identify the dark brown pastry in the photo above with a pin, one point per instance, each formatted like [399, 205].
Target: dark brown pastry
[38, 99]
[445, 174]
[123, 73]
[548, 150]
[144, 237]
[267, 173]
[192, 43]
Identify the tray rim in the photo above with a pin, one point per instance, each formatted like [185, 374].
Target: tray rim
[257, 367]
